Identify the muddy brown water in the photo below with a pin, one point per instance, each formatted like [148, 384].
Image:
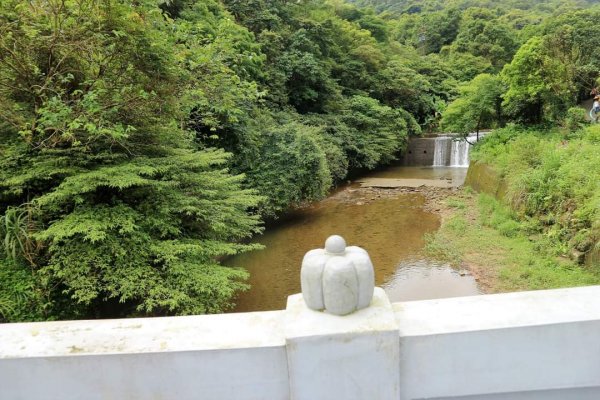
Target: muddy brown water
[391, 229]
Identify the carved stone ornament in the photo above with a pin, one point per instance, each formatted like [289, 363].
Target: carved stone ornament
[337, 279]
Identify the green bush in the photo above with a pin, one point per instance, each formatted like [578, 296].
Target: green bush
[376, 132]
[550, 180]
[130, 214]
[290, 165]
[575, 119]
[509, 228]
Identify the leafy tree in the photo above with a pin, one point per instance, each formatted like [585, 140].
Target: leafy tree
[288, 163]
[125, 215]
[377, 132]
[483, 35]
[539, 85]
[402, 86]
[477, 107]
[465, 66]
[375, 25]
[550, 73]
[259, 15]
[570, 40]
[427, 32]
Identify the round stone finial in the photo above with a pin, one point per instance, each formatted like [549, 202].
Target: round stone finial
[335, 244]
[337, 279]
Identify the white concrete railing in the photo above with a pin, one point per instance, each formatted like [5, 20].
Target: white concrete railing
[530, 345]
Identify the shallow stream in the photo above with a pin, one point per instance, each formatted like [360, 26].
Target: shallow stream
[390, 228]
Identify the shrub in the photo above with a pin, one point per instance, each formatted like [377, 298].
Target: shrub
[553, 184]
[575, 119]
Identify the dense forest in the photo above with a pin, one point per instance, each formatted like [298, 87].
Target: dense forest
[141, 141]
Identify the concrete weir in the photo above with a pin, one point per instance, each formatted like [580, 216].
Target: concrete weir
[517, 346]
[439, 151]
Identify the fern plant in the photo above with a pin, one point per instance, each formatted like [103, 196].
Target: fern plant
[16, 229]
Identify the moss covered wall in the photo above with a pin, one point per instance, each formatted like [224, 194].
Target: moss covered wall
[483, 178]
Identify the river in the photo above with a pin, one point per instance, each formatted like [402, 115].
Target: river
[390, 227]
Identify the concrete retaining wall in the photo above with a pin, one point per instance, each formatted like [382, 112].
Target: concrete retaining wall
[530, 345]
[419, 152]
[483, 178]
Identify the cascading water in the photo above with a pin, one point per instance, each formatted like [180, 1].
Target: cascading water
[440, 155]
[459, 155]
[452, 153]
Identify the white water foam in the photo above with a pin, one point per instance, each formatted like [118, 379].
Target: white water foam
[458, 151]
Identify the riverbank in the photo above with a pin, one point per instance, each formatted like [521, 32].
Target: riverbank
[478, 237]
[478, 234]
[425, 241]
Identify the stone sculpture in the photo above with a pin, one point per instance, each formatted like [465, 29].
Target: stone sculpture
[337, 279]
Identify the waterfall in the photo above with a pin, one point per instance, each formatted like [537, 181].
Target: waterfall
[440, 155]
[459, 155]
[452, 153]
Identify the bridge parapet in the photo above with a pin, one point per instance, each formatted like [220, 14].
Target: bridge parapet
[528, 345]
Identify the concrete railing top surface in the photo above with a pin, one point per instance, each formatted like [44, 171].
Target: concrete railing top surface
[141, 335]
[267, 329]
[498, 311]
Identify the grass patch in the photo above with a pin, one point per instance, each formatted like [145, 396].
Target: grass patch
[486, 236]
[441, 250]
[454, 202]
[553, 183]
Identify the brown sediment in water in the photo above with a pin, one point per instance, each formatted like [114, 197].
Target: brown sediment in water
[391, 223]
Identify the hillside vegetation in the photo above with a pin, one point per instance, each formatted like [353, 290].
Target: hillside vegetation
[553, 185]
[142, 141]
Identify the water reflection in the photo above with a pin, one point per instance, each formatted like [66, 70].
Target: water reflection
[391, 229]
[420, 279]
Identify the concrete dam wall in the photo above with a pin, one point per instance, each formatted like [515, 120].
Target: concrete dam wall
[440, 151]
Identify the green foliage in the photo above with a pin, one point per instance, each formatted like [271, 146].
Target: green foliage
[377, 132]
[552, 71]
[537, 84]
[428, 32]
[441, 250]
[494, 215]
[401, 85]
[289, 166]
[533, 266]
[545, 49]
[114, 198]
[576, 118]
[483, 35]
[15, 228]
[551, 180]
[536, 7]
[456, 203]
[477, 107]
[466, 66]
[123, 215]
[487, 235]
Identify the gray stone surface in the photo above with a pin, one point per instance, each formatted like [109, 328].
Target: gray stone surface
[419, 152]
[337, 279]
